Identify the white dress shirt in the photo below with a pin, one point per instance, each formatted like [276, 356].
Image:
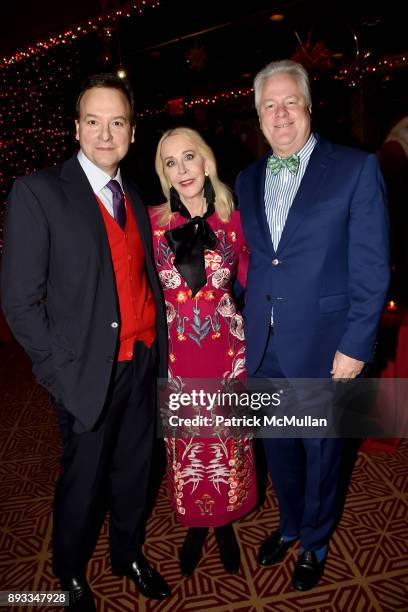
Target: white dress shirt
[99, 179]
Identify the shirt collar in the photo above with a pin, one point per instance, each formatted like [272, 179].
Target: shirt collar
[305, 152]
[97, 177]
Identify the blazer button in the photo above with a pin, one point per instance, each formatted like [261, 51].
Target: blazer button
[268, 297]
[109, 359]
[114, 324]
[275, 262]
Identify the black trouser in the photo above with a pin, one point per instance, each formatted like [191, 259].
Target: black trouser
[108, 466]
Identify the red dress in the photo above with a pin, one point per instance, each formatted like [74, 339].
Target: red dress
[211, 481]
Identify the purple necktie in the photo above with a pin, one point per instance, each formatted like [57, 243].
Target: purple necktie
[119, 210]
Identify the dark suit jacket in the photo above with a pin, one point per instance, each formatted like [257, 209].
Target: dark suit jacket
[328, 279]
[58, 285]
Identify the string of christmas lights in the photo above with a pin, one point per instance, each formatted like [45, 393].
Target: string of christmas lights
[35, 129]
[35, 132]
[351, 75]
[383, 66]
[200, 101]
[79, 30]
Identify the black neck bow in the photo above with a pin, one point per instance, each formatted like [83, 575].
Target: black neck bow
[189, 240]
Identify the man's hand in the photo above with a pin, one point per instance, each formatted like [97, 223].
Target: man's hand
[345, 367]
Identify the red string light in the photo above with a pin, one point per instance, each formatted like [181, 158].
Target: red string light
[74, 32]
[33, 124]
[34, 127]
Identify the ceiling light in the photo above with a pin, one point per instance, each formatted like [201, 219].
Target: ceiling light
[277, 17]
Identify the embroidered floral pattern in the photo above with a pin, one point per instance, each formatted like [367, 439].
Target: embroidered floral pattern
[211, 481]
[181, 296]
[226, 306]
[170, 279]
[170, 312]
[237, 326]
[212, 260]
[221, 278]
[231, 467]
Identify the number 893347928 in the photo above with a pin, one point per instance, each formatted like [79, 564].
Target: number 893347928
[34, 598]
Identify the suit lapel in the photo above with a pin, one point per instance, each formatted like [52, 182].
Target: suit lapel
[81, 198]
[259, 186]
[78, 192]
[80, 195]
[307, 193]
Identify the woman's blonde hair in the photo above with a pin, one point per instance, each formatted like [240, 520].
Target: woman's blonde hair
[224, 202]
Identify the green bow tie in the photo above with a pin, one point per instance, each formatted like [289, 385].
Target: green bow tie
[275, 164]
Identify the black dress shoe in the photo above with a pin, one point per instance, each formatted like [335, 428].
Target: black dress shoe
[191, 550]
[148, 581]
[228, 547]
[308, 571]
[273, 549]
[80, 595]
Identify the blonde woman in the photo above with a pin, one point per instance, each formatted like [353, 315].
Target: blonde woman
[199, 250]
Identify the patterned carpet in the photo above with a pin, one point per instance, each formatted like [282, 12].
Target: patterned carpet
[367, 568]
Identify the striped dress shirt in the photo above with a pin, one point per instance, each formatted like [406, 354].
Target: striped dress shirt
[281, 189]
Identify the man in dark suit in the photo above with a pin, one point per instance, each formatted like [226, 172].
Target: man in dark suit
[80, 294]
[315, 219]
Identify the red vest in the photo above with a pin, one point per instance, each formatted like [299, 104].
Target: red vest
[136, 302]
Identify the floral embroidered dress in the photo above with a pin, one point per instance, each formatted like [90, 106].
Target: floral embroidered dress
[211, 481]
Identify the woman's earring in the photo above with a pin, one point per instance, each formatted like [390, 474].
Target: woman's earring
[209, 193]
[206, 173]
[175, 203]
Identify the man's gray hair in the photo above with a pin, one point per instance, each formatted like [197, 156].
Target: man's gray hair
[283, 67]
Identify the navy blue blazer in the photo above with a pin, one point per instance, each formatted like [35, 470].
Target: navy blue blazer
[327, 281]
[58, 285]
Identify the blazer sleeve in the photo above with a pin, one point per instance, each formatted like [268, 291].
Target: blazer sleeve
[368, 262]
[24, 279]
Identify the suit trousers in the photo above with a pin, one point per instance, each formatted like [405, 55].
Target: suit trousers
[107, 467]
[305, 473]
